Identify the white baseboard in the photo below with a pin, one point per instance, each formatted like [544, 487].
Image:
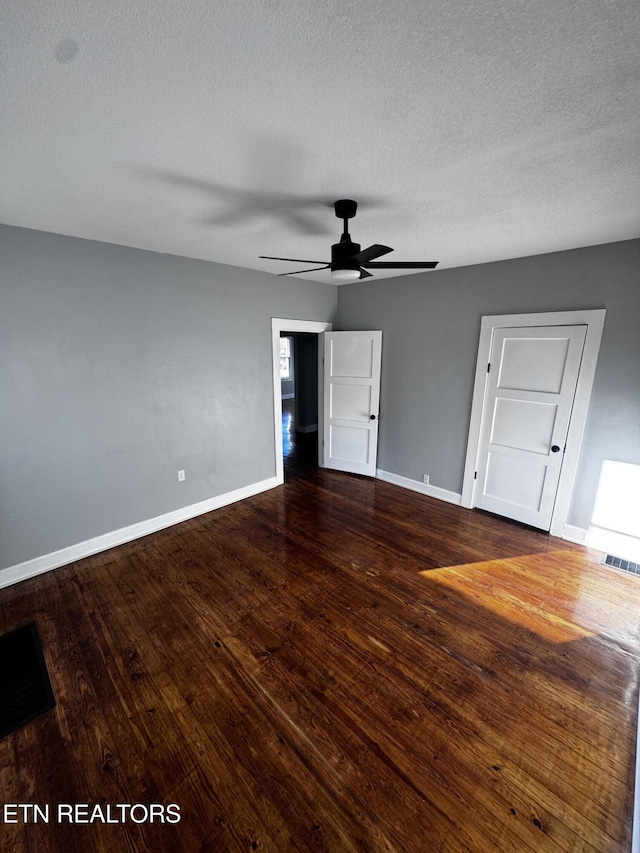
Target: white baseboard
[423, 488]
[612, 542]
[574, 534]
[39, 565]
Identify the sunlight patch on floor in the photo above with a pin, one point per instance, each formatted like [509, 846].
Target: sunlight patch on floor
[557, 596]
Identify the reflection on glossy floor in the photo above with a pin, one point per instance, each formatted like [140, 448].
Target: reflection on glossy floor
[336, 664]
[299, 450]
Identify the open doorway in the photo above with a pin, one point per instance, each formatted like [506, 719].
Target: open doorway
[299, 385]
[298, 395]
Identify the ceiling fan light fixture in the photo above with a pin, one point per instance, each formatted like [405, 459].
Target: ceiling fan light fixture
[345, 274]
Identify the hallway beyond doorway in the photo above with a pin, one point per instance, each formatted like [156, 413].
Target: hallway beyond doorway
[299, 450]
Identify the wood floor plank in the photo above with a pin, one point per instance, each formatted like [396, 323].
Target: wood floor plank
[388, 711]
[336, 664]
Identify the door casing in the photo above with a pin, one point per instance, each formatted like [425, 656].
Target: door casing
[594, 321]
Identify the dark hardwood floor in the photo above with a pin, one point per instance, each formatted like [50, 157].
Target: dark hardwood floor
[299, 449]
[336, 664]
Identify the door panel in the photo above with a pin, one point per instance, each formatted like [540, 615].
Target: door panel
[351, 402]
[523, 424]
[349, 444]
[533, 374]
[352, 356]
[533, 365]
[352, 394]
[514, 480]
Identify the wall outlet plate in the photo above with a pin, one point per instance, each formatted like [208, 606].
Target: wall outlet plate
[425, 479]
[180, 476]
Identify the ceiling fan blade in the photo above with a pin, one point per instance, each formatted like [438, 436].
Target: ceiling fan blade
[294, 260]
[402, 265]
[297, 272]
[370, 253]
[364, 273]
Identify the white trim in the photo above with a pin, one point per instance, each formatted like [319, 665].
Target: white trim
[278, 326]
[594, 321]
[39, 565]
[575, 534]
[417, 486]
[613, 542]
[571, 534]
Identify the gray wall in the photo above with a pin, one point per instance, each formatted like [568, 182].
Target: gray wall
[431, 327]
[117, 368]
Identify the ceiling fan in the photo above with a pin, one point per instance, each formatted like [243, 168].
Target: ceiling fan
[348, 261]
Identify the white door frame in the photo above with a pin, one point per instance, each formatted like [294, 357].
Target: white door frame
[594, 321]
[278, 326]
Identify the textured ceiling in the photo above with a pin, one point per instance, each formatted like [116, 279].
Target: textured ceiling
[468, 131]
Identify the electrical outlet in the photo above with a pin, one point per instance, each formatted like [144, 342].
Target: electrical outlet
[180, 476]
[425, 479]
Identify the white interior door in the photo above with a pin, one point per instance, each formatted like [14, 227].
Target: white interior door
[533, 372]
[351, 400]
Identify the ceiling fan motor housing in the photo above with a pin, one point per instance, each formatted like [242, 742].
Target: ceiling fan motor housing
[345, 208]
[342, 254]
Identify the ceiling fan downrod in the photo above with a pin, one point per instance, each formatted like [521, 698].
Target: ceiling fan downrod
[342, 264]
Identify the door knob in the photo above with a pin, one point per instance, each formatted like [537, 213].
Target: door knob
[555, 448]
[372, 417]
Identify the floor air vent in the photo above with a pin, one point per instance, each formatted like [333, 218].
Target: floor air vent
[25, 689]
[619, 563]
